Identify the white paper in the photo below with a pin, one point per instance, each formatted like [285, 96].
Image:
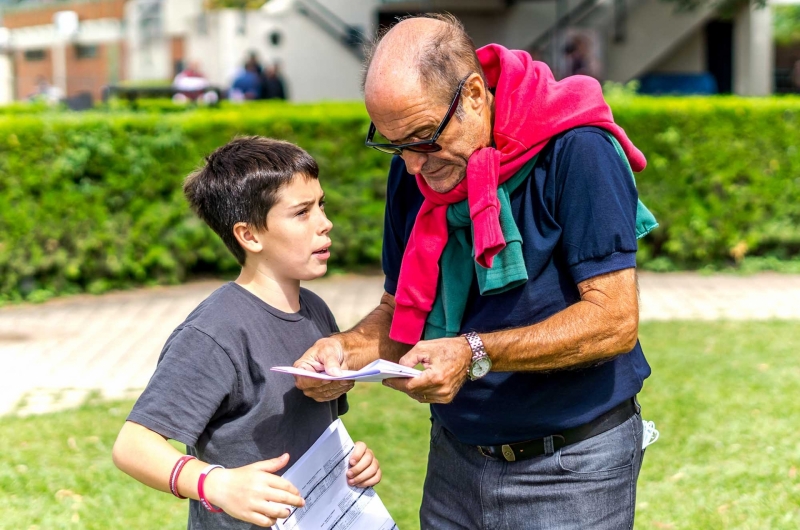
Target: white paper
[372, 373]
[331, 503]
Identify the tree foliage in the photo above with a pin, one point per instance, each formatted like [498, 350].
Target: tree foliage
[787, 24]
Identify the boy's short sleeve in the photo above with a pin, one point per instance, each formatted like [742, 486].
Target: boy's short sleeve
[194, 382]
[595, 206]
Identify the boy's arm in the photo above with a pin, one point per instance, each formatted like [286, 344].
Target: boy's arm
[352, 350]
[246, 493]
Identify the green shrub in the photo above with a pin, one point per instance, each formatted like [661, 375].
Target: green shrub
[723, 178]
[92, 201]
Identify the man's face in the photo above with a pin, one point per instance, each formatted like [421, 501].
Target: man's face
[410, 115]
[296, 242]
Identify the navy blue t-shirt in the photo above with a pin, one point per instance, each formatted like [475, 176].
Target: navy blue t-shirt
[577, 214]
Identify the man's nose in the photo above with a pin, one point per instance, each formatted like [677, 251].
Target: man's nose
[414, 161]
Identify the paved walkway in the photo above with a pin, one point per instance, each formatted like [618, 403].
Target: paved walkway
[55, 354]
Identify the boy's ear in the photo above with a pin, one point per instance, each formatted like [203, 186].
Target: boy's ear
[247, 238]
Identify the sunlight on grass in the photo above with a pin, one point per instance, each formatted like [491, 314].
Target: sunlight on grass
[723, 395]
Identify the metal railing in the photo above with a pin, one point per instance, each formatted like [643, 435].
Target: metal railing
[348, 35]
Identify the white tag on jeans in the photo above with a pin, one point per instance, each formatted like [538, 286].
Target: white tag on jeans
[649, 433]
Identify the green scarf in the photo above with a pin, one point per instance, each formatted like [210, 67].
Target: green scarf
[458, 266]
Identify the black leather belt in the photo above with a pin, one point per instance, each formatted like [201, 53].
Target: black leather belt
[550, 444]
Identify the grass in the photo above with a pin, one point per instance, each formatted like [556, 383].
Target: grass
[723, 395]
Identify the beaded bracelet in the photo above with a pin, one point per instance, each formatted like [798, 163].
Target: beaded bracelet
[200, 493]
[176, 471]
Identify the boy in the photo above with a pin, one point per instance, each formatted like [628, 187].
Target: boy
[212, 389]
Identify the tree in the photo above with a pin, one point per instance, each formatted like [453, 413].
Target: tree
[787, 24]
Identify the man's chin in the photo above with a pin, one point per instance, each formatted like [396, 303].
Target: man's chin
[442, 185]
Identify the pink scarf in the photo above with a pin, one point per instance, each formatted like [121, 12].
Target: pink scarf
[530, 107]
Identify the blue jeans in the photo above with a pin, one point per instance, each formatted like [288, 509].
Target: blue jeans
[587, 485]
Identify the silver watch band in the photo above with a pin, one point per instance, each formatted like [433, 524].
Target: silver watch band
[476, 345]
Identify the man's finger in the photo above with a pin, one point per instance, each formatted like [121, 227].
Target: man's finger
[398, 383]
[308, 383]
[332, 366]
[309, 364]
[413, 358]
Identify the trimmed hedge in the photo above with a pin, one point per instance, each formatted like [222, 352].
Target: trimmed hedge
[93, 201]
[723, 179]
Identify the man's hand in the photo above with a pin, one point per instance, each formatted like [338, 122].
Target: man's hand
[250, 493]
[365, 471]
[446, 362]
[326, 355]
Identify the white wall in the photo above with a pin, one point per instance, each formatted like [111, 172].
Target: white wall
[653, 31]
[516, 27]
[689, 57]
[6, 79]
[314, 65]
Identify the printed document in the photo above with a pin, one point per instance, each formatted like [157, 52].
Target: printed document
[331, 503]
[372, 373]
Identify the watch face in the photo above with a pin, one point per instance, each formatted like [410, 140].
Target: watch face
[481, 367]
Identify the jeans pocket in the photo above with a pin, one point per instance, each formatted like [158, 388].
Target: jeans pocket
[608, 452]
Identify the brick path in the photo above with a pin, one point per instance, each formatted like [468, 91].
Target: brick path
[54, 354]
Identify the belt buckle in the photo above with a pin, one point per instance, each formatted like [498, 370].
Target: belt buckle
[508, 453]
[480, 450]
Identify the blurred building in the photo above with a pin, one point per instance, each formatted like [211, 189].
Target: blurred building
[78, 46]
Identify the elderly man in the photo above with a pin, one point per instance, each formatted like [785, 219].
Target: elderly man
[509, 252]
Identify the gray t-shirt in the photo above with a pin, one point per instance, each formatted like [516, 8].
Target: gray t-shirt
[213, 389]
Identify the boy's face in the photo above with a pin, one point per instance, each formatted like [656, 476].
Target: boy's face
[296, 243]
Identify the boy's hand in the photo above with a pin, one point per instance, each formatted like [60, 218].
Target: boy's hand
[326, 355]
[249, 493]
[365, 471]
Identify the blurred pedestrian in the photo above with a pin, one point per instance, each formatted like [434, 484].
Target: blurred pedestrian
[580, 57]
[272, 83]
[247, 84]
[191, 84]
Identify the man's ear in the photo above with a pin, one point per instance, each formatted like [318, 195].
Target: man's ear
[475, 92]
[247, 238]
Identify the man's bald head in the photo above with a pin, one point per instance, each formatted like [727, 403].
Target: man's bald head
[431, 52]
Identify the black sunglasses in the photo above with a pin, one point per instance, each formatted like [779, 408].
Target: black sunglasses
[425, 146]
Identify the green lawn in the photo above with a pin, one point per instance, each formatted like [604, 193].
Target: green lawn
[725, 396]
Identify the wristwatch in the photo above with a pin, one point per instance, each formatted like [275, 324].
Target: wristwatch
[481, 363]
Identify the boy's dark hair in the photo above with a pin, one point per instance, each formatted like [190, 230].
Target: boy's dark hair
[240, 182]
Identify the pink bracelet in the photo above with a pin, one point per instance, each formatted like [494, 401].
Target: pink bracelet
[200, 493]
[176, 471]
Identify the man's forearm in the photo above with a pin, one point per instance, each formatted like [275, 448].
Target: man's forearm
[593, 330]
[369, 339]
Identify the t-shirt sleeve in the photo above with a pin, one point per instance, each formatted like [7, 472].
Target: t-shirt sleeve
[194, 382]
[595, 206]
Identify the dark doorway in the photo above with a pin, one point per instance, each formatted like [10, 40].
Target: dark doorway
[719, 54]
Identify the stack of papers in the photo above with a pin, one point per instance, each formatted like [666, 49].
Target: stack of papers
[331, 503]
[372, 373]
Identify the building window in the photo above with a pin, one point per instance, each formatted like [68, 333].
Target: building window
[35, 55]
[84, 51]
